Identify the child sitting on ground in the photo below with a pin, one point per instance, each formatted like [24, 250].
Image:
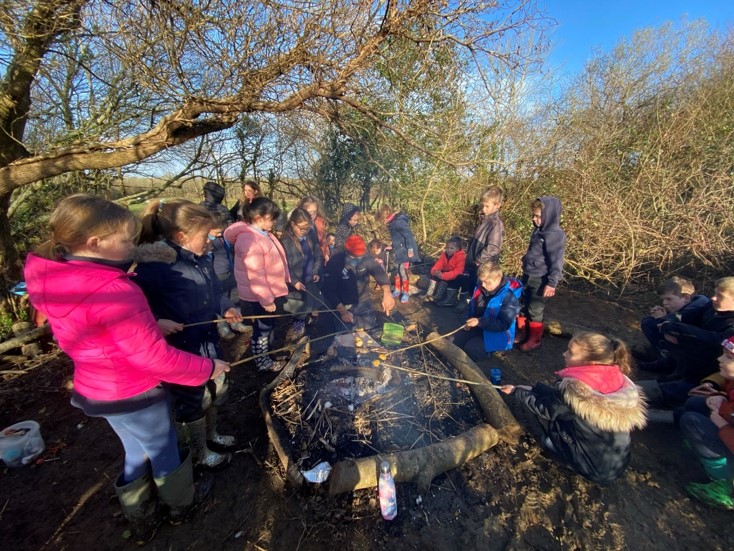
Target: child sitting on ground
[448, 267]
[707, 423]
[587, 417]
[679, 303]
[492, 310]
[694, 348]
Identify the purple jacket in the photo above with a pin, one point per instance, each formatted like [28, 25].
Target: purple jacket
[103, 322]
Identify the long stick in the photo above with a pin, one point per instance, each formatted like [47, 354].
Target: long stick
[432, 376]
[288, 348]
[253, 318]
[426, 342]
[324, 303]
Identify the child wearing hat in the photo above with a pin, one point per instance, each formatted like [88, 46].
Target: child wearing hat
[346, 282]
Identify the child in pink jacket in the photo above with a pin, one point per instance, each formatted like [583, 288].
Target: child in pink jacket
[101, 319]
[261, 271]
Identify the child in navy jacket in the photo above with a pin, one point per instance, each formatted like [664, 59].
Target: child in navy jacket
[492, 310]
[542, 268]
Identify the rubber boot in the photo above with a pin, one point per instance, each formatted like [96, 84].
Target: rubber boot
[140, 507]
[240, 327]
[405, 296]
[521, 331]
[716, 468]
[535, 335]
[297, 330]
[219, 441]
[715, 494]
[462, 303]
[225, 332]
[260, 348]
[440, 292]
[193, 435]
[431, 289]
[452, 297]
[179, 493]
[396, 288]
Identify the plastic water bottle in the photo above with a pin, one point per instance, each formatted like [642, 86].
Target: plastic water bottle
[495, 375]
[386, 491]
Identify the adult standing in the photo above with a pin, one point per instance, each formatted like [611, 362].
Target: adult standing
[348, 221]
[250, 190]
[213, 197]
[312, 206]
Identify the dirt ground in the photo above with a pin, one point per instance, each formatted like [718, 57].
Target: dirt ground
[508, 498]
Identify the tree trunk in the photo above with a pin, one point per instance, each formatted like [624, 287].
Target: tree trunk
[17, 342]
[10, 264]
[494, 408]
[419, 466]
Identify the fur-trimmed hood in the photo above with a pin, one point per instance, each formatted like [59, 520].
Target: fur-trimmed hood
[160, 251]
[620, 411]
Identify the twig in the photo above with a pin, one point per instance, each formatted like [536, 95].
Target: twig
[436, 338]
[439, 376]
[288, 348]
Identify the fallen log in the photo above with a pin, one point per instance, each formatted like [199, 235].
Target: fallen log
[495, 411]
[276, 432]
[32, 335]
[419, 466]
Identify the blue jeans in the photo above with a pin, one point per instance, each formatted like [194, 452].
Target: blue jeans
[147, 435]
[703, 435]
[649, 327]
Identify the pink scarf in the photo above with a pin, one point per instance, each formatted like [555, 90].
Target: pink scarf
[602, 378]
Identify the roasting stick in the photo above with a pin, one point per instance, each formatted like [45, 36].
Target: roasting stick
[252, 318]
[438, 376]
[438, 337]
[287, 348]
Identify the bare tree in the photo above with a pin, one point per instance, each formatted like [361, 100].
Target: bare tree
[199, 66]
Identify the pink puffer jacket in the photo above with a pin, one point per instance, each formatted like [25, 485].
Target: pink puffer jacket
[103, 322]
[260, 266]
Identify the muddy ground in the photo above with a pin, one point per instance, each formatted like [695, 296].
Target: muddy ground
[512, 497]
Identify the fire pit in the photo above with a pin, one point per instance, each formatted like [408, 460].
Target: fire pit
[367, 403]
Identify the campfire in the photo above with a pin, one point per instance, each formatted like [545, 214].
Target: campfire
[366, 402]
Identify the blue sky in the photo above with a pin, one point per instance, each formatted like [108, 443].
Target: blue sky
[583, 26]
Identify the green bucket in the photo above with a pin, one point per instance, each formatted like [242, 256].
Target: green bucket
[392, 334]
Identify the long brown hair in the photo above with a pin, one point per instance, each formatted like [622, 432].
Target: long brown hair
[600, 349]
[165, 218]
[79, 217]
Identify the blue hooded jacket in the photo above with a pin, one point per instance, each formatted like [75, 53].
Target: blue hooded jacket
[498, 320]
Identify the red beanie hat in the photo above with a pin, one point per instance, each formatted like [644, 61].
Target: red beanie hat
[355, 245]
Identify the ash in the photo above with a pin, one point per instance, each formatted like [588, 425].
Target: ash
[364, 398]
